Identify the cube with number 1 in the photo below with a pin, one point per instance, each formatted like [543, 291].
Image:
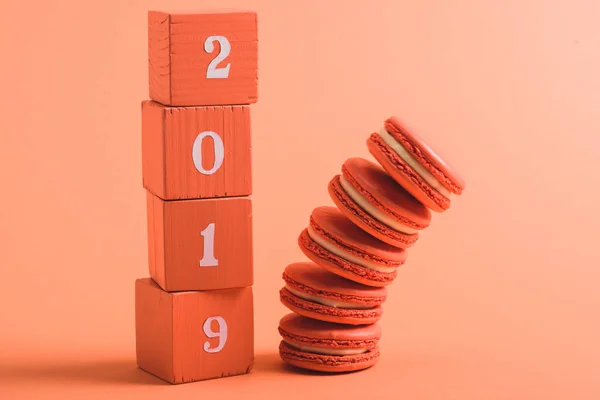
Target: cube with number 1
[200, 244]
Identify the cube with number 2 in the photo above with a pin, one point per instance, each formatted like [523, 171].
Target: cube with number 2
[203, 59]
[200, 244]
[196, 152]
[192, 336]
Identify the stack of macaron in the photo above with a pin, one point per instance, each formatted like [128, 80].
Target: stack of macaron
[355, 250]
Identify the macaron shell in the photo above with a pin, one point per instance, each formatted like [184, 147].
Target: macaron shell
[406, 176]
[365, 221]
[311, 279]
[340, 266]
[325, 363]
[384, 193]
[300, 330]
[425, 155]
[335, 227]
[322, 312]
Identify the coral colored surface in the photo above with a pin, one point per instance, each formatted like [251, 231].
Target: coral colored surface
[499, 298]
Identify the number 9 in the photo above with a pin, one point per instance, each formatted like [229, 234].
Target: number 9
[221, 334]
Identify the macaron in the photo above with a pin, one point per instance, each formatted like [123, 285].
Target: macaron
[326, 347]
[370, 198]
[414, 165]
[316, 293]
[333, 242]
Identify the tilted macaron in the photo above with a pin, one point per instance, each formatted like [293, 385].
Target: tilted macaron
[333, 242]
[323, 346]
[316, 293]
[375, 202]
[414, 165]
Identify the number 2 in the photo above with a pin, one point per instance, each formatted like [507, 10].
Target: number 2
[209, 47]
[209, 260]
[221, 334]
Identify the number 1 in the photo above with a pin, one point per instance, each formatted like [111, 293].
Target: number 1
[209, 260]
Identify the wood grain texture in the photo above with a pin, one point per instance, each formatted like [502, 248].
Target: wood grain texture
[168, 135]
[159, 59]
[178, 61]
[170, 337]
[156, 237]
[153, 137]
[153, 330]
[174, 235]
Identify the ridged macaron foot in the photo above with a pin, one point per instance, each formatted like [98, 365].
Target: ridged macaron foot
[326, 347]
[375, 202]
[316, 293]
[414, 165]
[333, 242]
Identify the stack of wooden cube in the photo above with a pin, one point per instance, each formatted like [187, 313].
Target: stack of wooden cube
[194, 315]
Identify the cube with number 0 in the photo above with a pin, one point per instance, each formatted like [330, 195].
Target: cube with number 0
[203, 59]
[200, 244]
[196, 152]
[191, 336]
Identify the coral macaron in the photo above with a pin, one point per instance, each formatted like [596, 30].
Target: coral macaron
[316, 293]
[333, 242]
[375, 202]
[326, 347]
[414, 165]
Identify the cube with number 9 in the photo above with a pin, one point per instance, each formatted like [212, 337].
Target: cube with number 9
[203, 59]
[200, 244]
[191, 336]
[196, 152]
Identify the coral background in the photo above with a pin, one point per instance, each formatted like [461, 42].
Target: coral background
[498, 300]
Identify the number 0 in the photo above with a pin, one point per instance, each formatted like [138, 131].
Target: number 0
[218, 148]
[209, 47]
[221, 334]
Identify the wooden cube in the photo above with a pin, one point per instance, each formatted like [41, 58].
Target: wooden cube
[200, 244]
[203, 59]
[196, 152]
[191, 336]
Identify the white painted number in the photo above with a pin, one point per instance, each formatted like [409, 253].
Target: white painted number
[221, 333]
[209, 47]
[218, 147]
[209, 260]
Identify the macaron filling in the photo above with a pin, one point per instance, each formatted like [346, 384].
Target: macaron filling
[414, 164]
[326, 350]
[371, 210]
[346, 255]
[327, 302]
